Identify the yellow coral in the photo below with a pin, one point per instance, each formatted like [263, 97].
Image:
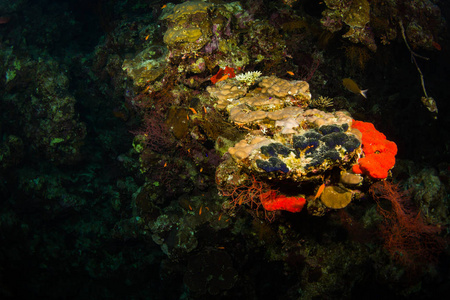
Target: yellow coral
[183, 35]
[187, 8]
[359, 14]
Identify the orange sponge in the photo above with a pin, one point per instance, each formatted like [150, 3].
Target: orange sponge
[379, 153]
[272, 201]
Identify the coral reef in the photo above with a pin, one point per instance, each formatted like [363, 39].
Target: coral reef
[294, 147]
[202, 149]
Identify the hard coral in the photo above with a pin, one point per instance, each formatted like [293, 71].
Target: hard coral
[379, 153]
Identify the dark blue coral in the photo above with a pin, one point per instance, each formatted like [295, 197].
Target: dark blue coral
[327, 129]
[312, 134]
[334, 139]
[302, 142]
[316, 162]
[272, 165]
[351, 144]
[274, 149]
[332, 155]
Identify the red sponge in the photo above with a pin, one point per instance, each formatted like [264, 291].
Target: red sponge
[271, 201]
[379, 153]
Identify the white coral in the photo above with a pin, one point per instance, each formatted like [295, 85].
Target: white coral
[248, 78]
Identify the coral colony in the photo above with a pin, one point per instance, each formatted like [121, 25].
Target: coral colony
[207, 149]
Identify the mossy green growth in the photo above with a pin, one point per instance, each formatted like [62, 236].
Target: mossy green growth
[10, 75]
[222, 145]
[56, 141]
[16, 64]
[139, 143]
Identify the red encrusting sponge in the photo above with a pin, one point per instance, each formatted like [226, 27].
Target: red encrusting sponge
[272, 201]
[379, 153]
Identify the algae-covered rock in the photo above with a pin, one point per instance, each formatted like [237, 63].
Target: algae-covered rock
[186, 9]
[146, 66]
[189, 36]
[358, 14]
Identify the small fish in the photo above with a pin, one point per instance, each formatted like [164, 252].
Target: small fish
[193, 110]
[319, 191]
[146, 38]
[204, 109]
[220, 247]
[290, 73]
[201, 170]
[165, 164]
[220, 217]
[164, 6]
[350, 85]
[436, 46]
[190, 207]
[225, 77]
[200, 210]
[146, 89]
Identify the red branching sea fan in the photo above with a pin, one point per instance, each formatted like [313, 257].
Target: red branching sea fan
[407, 237]
[156, 133]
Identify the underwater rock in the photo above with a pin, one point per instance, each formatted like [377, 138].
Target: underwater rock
[145, 67]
